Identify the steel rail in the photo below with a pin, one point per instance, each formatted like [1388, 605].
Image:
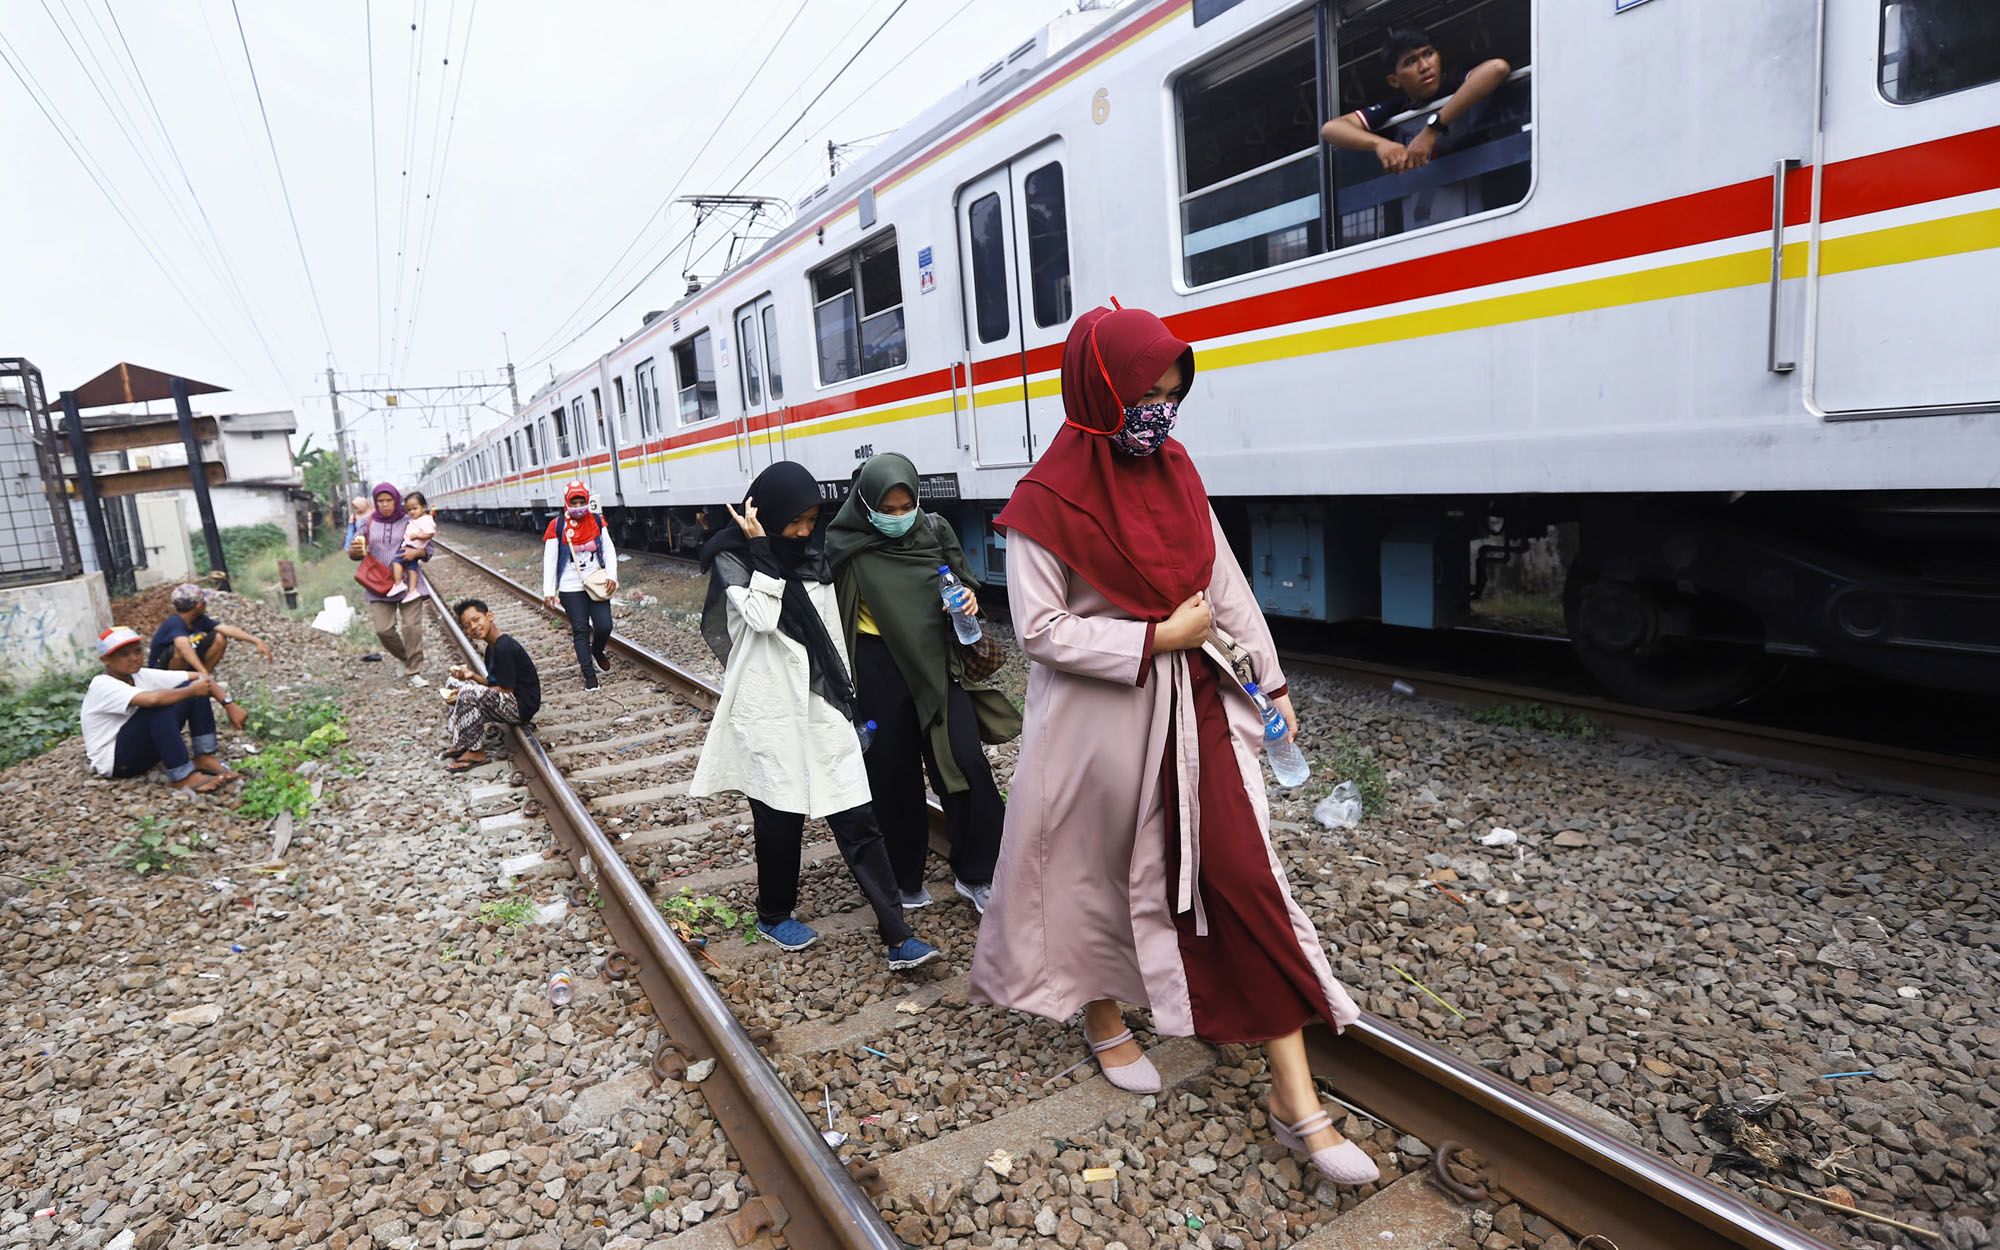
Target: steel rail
[1965, 780]
[1563, 1168]
[803, 1189]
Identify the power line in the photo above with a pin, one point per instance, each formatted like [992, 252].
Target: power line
[63, 132]
[793, 125]
[374, 175]
[412, 93]
[435, 200]
[272, 138]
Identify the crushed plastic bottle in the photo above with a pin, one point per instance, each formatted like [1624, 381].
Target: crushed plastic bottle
[954, 594]
[1288, 763]
[560, 988]
[866, 733]
[1341, 809]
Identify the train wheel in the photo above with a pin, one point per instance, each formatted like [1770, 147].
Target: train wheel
[1651, 645]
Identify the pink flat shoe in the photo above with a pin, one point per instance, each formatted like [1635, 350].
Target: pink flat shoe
[1345, 1164]
[1136, 1077]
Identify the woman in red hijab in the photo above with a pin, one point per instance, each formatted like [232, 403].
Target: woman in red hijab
[1136, 865]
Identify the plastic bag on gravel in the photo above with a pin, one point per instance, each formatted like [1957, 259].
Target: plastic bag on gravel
[1340, 809]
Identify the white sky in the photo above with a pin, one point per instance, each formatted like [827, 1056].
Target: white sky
[574, 122]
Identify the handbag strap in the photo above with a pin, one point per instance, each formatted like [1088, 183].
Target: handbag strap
[1231, 657]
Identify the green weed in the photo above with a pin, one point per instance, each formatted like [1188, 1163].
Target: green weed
[241, 545]
[512, 912]
[1539, 717]
[153, 848]
[36, 718]
[695, 915]
[272, 783]
[1350, 761]
[292, 718]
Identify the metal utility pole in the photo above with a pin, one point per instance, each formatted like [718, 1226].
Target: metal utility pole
[339, 438]
[198, 476]
[513, 391]
[116, 576]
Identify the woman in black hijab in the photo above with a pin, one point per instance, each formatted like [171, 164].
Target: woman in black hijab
[783, 734]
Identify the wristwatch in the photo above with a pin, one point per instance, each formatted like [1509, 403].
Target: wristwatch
[1436, 122]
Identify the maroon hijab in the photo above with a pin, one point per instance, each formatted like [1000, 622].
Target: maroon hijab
[1135, 527]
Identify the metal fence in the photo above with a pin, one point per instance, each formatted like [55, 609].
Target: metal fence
[37, 533]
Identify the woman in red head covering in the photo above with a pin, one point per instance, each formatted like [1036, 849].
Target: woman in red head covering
[579, 575]
[1136, 866]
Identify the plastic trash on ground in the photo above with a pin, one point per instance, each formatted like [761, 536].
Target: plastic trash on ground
[334, 616]
[1500, 837]
[1340, 809]
[552, 913]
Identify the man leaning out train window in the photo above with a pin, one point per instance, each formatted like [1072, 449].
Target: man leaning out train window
[1417, 76]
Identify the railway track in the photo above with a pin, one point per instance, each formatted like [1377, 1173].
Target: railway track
[867, 1107]
[1873, 765]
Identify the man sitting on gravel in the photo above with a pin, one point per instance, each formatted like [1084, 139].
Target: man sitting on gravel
[133, 717]
[191, 640]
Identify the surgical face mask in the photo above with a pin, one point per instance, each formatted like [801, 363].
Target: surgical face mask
[892, 526]
[1146, 427]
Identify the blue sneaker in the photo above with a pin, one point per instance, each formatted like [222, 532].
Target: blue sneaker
[912, 953]
[789, 933]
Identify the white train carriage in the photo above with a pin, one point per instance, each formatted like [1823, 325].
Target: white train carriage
[1716, 284]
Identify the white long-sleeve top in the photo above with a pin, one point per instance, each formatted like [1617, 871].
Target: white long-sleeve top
[772, 738]
[605, 557]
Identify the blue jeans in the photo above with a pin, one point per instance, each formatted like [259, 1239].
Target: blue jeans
[153, 736]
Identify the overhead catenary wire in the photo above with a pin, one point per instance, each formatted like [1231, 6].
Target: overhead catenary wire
[374, 175]
[434, 199]
[733, 187]
[17, 64]
[319, 309]
[414, 81]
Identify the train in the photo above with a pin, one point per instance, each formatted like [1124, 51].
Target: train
[1711, 290]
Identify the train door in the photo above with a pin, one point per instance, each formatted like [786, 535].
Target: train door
[1906, 254]
[652, 422]
[1013, 241]
[760, 433]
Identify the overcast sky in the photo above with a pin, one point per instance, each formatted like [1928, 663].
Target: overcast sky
[542, 150]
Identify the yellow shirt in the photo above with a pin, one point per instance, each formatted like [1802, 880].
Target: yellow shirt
[864, 620]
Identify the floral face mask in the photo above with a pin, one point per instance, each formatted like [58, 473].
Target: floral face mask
[1146, 427]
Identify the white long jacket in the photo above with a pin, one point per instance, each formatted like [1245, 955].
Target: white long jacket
[773, 739]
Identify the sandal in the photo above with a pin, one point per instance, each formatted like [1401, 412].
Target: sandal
[1345, 1164]
[462, 765]
[1136, 1077]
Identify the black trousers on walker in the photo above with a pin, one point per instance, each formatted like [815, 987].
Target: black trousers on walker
[860, 841]
[589, 629]
[898, 761]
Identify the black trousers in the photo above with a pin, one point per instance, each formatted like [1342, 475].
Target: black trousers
[779, 837]
[589, 629]
[898, 761]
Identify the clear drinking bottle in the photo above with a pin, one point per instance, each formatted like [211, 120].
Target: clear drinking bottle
[954, 594]
[1288, 763]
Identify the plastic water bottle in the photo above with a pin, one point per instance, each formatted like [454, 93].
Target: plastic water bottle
[1288, 763]
[867, 735]
[954, 594]
[560, 988]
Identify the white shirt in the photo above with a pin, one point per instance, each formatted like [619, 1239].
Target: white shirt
[605, 557]
[772, 738]
[107, 705]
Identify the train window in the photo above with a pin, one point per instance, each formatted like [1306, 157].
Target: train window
[1048, 243]
[986, 225]
[597, 410]
[646, 380]
[1254, 169]
[1936, 47]
[513, 461]
[1483, 162]
[562, 434]
[746, 351]
[1250, 161]
[618, 403]
[771, 352]
[858, 312]
[534, 447]
[694, 374]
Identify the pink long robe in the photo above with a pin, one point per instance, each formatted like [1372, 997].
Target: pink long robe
[1087, 889]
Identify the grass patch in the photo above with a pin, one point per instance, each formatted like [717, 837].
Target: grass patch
[292, 719]
[242, 544]
[272, 783]
[36, 718]
[696, 916]
[1350, 761]
[1539, 717]
[512, 912]
[152, 848]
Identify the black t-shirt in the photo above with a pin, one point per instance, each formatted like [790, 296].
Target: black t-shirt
[200, 634]
[1375, 116]
[507, 664]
